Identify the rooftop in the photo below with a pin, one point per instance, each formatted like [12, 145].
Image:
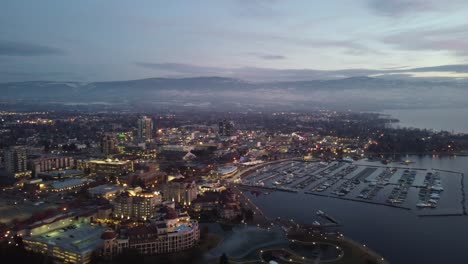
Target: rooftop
[226, 170]
[63, 173]
[109, 161]
[106, 188]
[78, 238]
[68, 183]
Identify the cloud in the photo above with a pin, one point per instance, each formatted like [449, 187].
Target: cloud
[11, 48]
[174, 69]
[350, 46]
[459, 68]
[272, 57]
[398, 7]
[255, 8]
[267, 56]
[268, 74]
[454, 39]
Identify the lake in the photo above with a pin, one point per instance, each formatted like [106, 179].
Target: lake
[437, 119]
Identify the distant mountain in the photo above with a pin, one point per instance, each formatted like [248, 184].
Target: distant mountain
[104, 91]
[348, 92]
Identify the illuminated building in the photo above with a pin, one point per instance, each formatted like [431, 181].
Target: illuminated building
[60, 174]
[106, 191]
[140, 206]
[108, 144]
[107, 167]
[145, 128]
[44, 164]
[180, 191]
[225, 172]
[149, 175]
[16, 161]
[68, 185]
[225, 128]
[224, 202]
[64, 238]
[168, 233]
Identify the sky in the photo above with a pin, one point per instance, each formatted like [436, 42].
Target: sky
[103, 40]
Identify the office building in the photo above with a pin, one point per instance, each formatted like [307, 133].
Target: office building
[64, 238]
[108, 167]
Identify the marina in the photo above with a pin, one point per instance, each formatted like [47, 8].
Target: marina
[396, 184]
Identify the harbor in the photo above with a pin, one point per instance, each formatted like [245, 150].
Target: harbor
[393, 185]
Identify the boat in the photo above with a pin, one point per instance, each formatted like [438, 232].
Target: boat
[407, 162]
[423, 205]
[437, 188]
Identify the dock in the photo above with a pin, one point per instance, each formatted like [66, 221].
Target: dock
[357, 200]
[329, 218]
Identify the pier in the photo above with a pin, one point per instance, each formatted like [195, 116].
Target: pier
[463, 200]
[357, 200]
[439, 215]
[255, 188]
[329, 218]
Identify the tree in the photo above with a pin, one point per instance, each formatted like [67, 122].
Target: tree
[129, 255]
[223, 259]
[249, 214]
[203, 232]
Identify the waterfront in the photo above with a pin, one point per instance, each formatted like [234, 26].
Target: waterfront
[437, 119]
[399, 235]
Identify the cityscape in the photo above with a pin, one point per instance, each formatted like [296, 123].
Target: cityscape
[233, 132]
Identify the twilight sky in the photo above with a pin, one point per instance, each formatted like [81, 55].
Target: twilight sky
[96, 40]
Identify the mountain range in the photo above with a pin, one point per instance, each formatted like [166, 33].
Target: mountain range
[356, 92]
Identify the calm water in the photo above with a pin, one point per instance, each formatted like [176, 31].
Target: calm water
[399, 235]
[437, 119]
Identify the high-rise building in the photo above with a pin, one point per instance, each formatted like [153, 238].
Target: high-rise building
[225, 128]
[108, 144]
[145, 128]
[16, 162]
[221, 128]
[139, 206]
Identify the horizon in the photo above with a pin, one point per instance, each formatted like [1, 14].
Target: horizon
[300, 77]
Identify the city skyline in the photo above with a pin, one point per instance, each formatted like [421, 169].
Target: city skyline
[252, 40]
